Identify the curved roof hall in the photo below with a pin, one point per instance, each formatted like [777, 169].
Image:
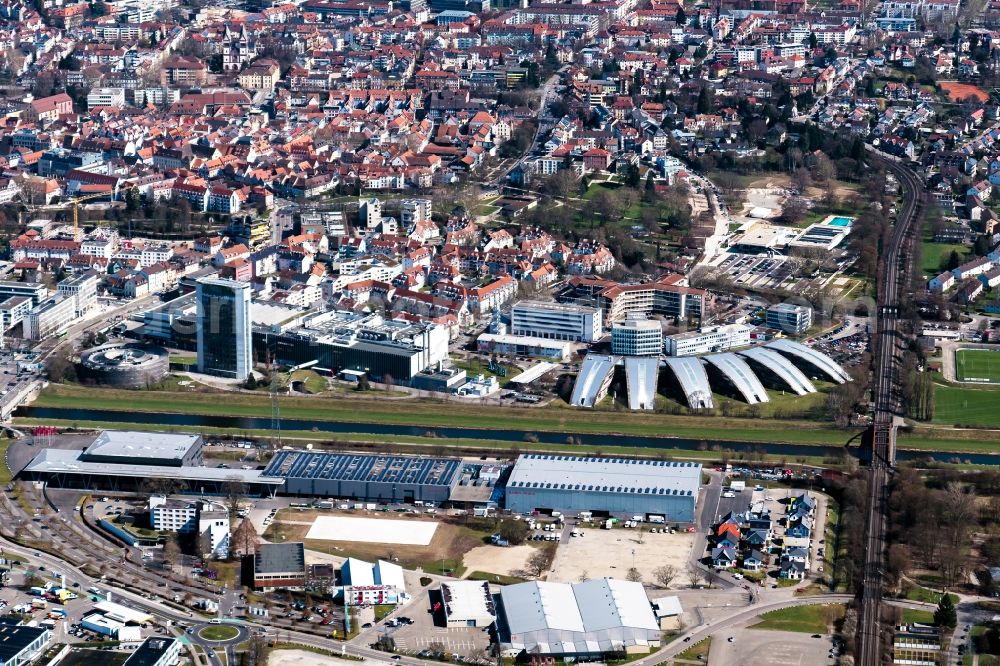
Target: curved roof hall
[691, 375]
[740, 374]
[641, 373]
[816, 359]
[784, 369]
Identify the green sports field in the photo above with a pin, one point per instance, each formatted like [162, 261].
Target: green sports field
[977, 365]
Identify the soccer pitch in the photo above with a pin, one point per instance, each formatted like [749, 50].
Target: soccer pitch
[977, 365]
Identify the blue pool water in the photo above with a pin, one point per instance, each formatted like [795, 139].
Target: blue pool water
[841, 221]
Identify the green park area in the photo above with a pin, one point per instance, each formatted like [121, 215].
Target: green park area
[977, 365]
[703, 433]
[934, 256]
[813, 619]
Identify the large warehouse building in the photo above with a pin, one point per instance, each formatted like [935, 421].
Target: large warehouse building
[365, 477]
[593, 620]
[121, 460]
[616, 486]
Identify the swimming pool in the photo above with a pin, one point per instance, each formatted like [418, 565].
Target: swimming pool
[840, 221]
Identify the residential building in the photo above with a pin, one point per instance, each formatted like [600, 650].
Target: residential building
[224, 336]
[637, 337]
[13, 310]
[414, 212]
[556, 321]
[789, 318]
[173, 515]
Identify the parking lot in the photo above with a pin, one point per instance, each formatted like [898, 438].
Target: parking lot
[762, 647]
[758, 271]
[427, 632]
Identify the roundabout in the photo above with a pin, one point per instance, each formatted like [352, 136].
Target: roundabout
[217, 635]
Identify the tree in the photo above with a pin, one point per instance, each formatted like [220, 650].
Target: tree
[696, 574]
[244, 539]
[171, 550]
[363, 383]
[59, 365]
[512, 531]
[256, 651]
[236, 491]
[633, 575]
[946, 616]
[706, 99]
[954, 261]
[794, 210]
[681, 16]
[812, 40]
[539, 562]
[664, 575]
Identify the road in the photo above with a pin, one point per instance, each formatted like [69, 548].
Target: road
[545, 123]
[890, 346]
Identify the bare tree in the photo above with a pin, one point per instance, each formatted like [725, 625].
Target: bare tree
[633, 575]
[696, 574]
[171, 550]
[236, 491]
[539, 562]
[664, 575]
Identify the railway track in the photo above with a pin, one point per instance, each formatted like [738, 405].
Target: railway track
[893, 284]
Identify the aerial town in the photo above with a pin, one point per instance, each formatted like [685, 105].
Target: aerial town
[495, 332]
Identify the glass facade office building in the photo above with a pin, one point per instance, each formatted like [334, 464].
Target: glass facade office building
[224, 346]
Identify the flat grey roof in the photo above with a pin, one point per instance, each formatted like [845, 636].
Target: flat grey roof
[275, 558]
[136, 444]
[618, 475]
[740, 374]
[794, 378]
[693, 379]
[641, 374]
[59, 461]
[817, 359]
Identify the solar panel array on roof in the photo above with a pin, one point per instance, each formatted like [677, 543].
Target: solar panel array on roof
[353, 467]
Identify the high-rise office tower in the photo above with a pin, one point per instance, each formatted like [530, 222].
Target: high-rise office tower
[224, 328]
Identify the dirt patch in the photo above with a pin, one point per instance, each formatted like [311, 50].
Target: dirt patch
[960, 91]
[306, 658]
[451, 541]
[504, 561]
[611, 553]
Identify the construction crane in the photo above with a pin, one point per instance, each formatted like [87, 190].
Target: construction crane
[76, 201]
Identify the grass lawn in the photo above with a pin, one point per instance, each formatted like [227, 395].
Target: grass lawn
[954, 405]
[698, 651]
[311, 380]
[476, 367]
[183, 359]
[219, 632]
[934, 255]
[382, 611]
[917, 593]
[430, 414]
[803, 619]
[977, 365]
[499, 579]
[5, 475]
[919, 616]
